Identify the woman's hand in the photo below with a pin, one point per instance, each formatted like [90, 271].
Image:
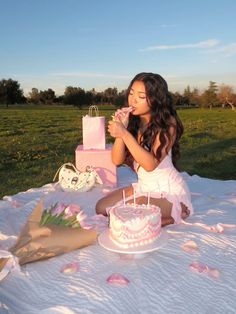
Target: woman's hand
[116, 129]
[122, 115]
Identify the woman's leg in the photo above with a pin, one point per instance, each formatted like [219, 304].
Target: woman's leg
[163, 204]
[166, 208]
[112, 198]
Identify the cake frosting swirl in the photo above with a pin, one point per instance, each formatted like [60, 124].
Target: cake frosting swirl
[134, 225]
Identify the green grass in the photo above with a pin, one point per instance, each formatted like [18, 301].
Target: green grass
[36, 140]
[209, 143]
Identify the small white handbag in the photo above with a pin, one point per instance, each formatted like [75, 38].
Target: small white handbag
[72, 179]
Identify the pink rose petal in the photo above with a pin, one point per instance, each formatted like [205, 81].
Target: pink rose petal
[203, 268]
[15, 203]
[219, 228]
[72, 267]
[117, 278]
[126, 256]
[106, 190]
[198, 267]
[189, 246]
[214, 272]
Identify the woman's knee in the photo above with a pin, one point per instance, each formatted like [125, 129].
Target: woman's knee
[100, 208]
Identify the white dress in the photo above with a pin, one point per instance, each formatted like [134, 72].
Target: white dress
[164, 182]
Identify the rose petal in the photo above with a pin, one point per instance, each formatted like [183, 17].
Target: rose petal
[117, 278]
[72, 267]
[214, 272]
[15, 203]
[198, 267]
[126, 256]
[189, 246]
[219, 228]
[203, 268]
[105, 190]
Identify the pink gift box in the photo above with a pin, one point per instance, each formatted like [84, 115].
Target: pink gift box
[100, 160]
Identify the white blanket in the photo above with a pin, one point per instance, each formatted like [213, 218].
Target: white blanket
[159, 282]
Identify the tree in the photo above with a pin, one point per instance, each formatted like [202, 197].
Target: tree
[178, 99]
[47, 96]
[209, 97]
[34, 96]
[119, 100]
[10, 92]
[110, 94]
[74, 96]
[226, 96]
[192, 97]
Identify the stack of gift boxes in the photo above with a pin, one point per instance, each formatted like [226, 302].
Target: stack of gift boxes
[94, 151]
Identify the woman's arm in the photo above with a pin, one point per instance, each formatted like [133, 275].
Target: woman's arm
[118, 153]
[125, 138]
[143, 157]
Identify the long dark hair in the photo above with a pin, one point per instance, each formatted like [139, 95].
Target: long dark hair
[162, 114]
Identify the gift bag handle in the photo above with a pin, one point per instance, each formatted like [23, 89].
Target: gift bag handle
[94, 109]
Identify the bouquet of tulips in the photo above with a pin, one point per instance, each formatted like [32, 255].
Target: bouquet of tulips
[66, 215]
[54, 231]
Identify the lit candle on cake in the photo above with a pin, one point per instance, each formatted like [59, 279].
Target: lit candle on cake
[148, 203]
[124, 198]
[134, 198]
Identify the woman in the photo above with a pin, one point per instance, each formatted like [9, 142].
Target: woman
[149, 134]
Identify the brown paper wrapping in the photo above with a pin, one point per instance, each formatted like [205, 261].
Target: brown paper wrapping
[36, 243]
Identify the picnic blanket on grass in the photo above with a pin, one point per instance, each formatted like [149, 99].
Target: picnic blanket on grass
[193, 272]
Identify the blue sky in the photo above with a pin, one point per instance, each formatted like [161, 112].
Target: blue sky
[104, 43]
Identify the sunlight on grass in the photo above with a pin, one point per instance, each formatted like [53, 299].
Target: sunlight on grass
[36, 140]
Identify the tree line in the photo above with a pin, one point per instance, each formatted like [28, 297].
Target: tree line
[213, 96]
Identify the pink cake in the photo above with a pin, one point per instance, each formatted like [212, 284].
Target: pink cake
[134, 225]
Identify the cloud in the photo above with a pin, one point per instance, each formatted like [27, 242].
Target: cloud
[90, 75]
[226, 51]
[202, 44]
[169, 25]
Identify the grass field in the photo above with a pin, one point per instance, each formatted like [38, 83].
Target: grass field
[36, 140]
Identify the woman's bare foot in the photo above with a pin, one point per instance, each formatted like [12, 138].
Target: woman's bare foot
[167, 221]
[185, 211]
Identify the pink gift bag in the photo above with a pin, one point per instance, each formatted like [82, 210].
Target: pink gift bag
[93, 129]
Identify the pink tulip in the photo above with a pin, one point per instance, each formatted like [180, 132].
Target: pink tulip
[80, 217]
[71, 209]
[57, 209]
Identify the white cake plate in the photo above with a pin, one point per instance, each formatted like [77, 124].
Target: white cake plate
[105, 241]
